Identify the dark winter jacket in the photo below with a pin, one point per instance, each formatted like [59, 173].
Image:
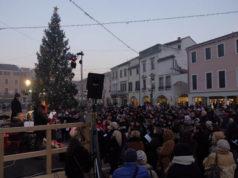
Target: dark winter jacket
[184, 171]
[39, 117]
[77, 160]
[16, 108]
[128, 170]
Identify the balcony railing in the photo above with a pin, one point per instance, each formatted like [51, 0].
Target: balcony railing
[48, 152]
[161, 88]
[167, 87]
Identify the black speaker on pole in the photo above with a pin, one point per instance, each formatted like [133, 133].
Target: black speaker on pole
[95, 85]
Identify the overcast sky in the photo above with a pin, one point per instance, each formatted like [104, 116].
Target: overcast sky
[102, 51]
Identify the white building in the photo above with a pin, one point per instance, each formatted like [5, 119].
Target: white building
[119, 83]
[134, 82]
[163, 72]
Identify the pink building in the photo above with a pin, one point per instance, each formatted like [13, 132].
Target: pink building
[213, 71]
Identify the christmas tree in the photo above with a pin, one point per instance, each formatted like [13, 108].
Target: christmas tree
[53, 73]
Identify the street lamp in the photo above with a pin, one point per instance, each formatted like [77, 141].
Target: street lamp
[27, 90]
[27, 83]
[81, 54]
[151, 77]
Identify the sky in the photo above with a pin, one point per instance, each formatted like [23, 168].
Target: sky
[103, 51]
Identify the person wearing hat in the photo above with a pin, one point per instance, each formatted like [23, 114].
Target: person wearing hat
[142, 161]
[130, 168]
[225, 160]
[183, 163]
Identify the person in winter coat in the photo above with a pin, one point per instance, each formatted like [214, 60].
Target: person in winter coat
[165, 152]
[77, 160]
[225, 160]
[183, 163]
[215, 137]
[156, 141]
[201, 136]
[114, 144]
[39, 119]
[16, 105]
[135, 141]
[129, 168]
[142, 161]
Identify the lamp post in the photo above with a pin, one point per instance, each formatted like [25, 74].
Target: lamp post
[81, 54]
[152, 77]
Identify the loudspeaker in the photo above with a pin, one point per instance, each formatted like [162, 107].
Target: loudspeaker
[95, 85]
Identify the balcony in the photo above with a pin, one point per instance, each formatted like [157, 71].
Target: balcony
[161, 88]
[167, 87]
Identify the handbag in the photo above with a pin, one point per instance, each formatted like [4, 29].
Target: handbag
[213, 171]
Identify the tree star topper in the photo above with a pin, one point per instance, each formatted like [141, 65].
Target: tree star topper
[56, 8]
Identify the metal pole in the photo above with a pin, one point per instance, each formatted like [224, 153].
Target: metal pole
[82, 78]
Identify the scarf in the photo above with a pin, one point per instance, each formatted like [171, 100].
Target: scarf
[184, 160]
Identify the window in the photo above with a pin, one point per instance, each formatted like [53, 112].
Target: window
[123, 86]
[194, 82]
[222, 79]
[209, 80]
[0, 72]
[6, 91]
[120, 73]
[161, 83]
[125, 73]
[130, 72]
[168, 82]
[137, 70]
[152, 62]
[16, 82]
[237, 46]
[116, 75]
[144, 67]
[6, 81]
[194, 57]
[137, 85]
[144, 84]
[220, 49]
[130, 86]
[16, 90]
[112, 75]
[208, 53]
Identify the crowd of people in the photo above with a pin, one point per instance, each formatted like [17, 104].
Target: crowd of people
[169, 142]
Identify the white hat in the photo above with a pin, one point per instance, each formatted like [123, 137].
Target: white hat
[141, 156]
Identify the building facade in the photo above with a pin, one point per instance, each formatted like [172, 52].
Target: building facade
[134, 82]
[163, 72]
[12, 80]
[213, 71]
[119, 84]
